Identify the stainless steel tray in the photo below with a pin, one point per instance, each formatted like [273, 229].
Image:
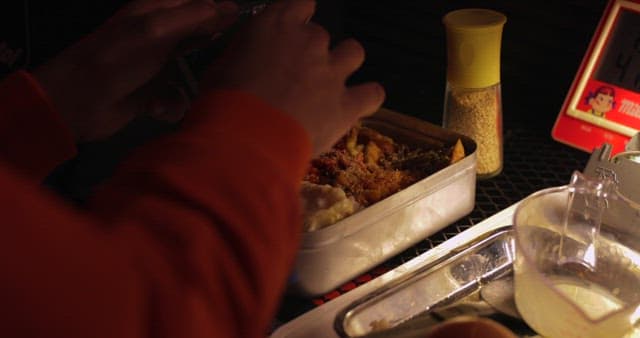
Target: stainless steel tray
[473, 279]
[332, 256]
[468, 274]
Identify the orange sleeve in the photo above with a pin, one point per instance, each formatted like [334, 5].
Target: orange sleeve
[33, 137]
[194, 237]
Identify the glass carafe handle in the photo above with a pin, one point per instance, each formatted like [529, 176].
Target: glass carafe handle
[588, 200]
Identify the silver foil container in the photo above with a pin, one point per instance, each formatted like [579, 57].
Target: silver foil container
[332, 256]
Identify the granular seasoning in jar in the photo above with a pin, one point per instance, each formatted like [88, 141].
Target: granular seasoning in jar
[473, 105]
[477, 114]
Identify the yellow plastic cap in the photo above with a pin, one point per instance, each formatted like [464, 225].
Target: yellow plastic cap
[473, 47]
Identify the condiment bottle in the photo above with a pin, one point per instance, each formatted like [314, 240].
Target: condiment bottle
[473, 103]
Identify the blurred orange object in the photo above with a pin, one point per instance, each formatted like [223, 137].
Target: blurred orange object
[470, 327]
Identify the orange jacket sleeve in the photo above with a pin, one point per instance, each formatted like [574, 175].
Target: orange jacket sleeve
[194, 237]
[33, 136]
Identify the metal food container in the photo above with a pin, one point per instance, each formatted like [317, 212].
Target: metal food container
[475, 279]
[332, 256]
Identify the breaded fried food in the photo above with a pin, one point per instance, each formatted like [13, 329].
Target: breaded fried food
[369, 167]
[457, 152]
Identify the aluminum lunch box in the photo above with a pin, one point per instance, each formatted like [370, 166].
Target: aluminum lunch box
[332, 256]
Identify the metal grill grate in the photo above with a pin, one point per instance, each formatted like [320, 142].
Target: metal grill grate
[532, 162]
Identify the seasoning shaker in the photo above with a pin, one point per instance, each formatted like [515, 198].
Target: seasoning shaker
[473, 103]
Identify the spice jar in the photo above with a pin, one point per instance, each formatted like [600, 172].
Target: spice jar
[473, 104]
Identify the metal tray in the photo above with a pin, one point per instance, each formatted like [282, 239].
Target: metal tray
[467, 274]
[332, 256]
[474, 279]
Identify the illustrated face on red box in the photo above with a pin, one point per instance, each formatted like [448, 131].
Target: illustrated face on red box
[601, 101]
[603, 104]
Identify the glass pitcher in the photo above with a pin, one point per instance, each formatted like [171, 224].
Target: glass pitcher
[577, 266]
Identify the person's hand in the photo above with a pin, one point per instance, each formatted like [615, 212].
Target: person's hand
[286, 60]
[103, 81]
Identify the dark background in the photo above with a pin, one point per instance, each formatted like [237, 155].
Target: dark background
[543, 44]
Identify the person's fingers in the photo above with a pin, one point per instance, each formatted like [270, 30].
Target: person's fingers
[298, 11]
[319, 38]
[229, 12]
[185, 20]
[363, 99]
[347, 56]
[141, 7]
